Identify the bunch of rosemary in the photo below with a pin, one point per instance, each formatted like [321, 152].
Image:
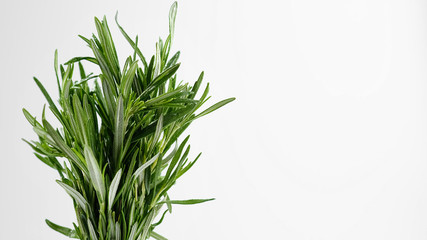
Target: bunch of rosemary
[119, 136]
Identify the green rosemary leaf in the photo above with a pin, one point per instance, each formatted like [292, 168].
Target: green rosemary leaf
[118, 129]
[81, 119]
[160, 79]
[176, 158]
[118, 231]
[168, 204]
[150, 71]
[158, 59]
[147, 225]
[161, 219]
[127, 79]
[157, 236]
[168, 119]
[91, 230]
[172, 17]
[173, 59]
[103, 64]
[196, 85]
[166, 74]
[50, 161]
[64, 230]
[132, 214]
[109, 48]
[188, 166]
[157, 133]
[170, 156]
[37, 149]
[133, 233]
[205, 94]
[46, 94]
[135, 47]
[165, 51]
[109, 96]
[83, 74]
[32, 120]
[95, 173]
[113, 189]
[175, 134]
[55, 65]
[85, 39]
[78, 231]
[140, 170]
[80, 200]
[136, 44]
[78, 59]
[188, 202]
[64, 147]
[167, 96]
[215, 107]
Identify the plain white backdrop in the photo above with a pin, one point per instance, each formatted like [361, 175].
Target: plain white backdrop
[327, 139]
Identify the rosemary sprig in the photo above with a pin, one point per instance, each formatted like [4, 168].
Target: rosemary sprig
[119, 136]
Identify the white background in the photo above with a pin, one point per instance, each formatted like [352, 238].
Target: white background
[327, 138]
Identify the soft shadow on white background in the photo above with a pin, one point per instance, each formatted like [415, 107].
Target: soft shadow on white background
[326, 140]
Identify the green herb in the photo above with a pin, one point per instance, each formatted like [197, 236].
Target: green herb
[118, 138]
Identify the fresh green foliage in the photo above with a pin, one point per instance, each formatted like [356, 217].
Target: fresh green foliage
[118, 138]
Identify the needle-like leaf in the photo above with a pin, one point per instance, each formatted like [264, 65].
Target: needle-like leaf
[95, 173]
[139, 171]
[119, 128]
[214, 107]
[113, 188]
[64, 230]
[157, 236]
[80, 200]
[187, 202]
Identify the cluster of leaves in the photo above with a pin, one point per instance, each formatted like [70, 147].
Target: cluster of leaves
[119, 137]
